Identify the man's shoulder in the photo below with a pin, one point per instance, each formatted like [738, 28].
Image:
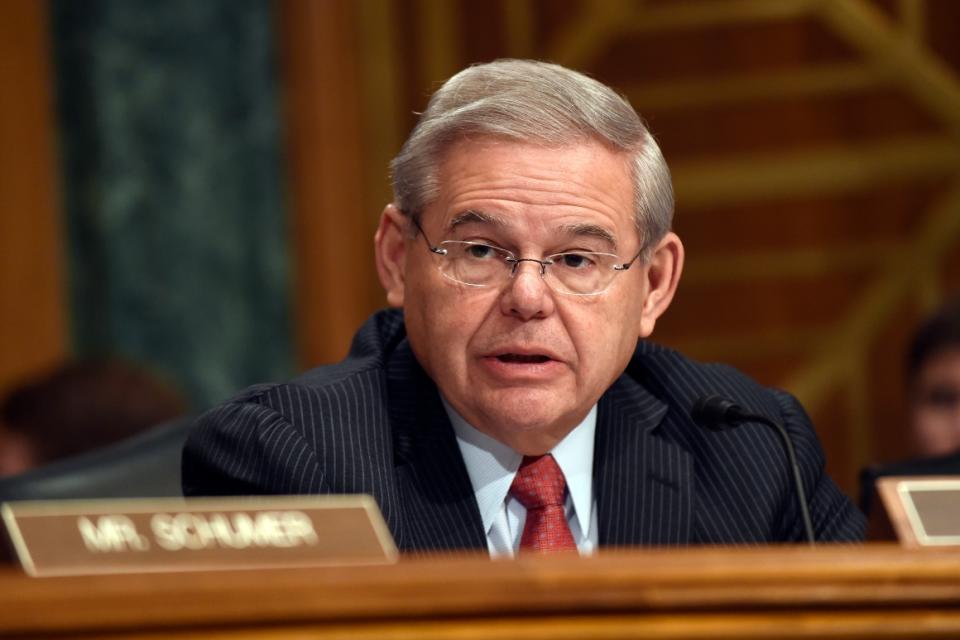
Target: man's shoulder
[337, 403]
[316, 433]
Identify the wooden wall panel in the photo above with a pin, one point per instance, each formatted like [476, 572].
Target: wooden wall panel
[331, 227]
[33, 326]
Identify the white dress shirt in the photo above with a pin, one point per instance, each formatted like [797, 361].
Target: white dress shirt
[492, 465]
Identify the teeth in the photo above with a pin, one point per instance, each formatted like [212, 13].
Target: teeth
[516, 357]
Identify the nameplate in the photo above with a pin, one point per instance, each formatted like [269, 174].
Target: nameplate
[84, 537]
[923, 511]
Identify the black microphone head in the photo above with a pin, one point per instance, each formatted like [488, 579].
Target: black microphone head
[716, 413]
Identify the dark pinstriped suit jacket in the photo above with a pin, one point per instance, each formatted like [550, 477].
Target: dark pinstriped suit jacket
[374, 423]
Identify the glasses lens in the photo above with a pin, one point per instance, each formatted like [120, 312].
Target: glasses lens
[582, 273]
[475, 263]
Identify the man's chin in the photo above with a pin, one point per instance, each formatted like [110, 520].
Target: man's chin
[525, 419]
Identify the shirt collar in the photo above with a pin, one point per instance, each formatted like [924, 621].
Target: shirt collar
[492, 465]
[574, 454]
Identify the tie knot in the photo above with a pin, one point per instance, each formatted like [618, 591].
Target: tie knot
[539, 483]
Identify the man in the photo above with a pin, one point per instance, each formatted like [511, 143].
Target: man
[510, 405]
[933, 380]
[933, 388]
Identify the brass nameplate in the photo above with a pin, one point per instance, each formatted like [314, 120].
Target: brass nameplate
[924, 511]
[82, 537]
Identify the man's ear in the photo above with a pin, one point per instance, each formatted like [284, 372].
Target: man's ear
[390, 249]
[662, 272]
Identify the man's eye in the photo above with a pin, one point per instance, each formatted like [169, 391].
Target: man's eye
[480, 251]
[575, 261]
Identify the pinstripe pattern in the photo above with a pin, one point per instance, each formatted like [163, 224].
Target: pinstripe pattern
[374, 424]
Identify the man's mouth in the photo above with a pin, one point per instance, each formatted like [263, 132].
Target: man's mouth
[523, 365]
[520, 358]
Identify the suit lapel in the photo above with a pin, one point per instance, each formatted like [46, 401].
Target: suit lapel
[643, 482]
[437, 504]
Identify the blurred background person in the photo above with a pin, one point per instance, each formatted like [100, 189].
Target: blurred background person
[933, 380]
[81, 407]
[932, 393]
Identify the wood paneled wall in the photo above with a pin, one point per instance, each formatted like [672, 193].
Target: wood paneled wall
[332, 225]
[33, 326]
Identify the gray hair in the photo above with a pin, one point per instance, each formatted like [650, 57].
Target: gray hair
[531, 101]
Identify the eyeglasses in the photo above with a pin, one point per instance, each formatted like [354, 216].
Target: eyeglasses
[476, 264]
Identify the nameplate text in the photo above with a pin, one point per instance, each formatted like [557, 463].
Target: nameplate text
[81, 537]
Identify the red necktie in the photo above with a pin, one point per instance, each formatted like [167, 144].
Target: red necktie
[540, 488]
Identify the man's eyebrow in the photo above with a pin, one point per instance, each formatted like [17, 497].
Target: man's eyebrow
[577, 229]
[472, 215]
[591, 230]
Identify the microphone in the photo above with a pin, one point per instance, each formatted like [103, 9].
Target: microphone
[721, 414]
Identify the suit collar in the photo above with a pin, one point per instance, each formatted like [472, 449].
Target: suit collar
[437, 504]
[644, 482]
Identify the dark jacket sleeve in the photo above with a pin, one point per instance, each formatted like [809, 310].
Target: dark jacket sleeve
[832, 513]
[248, 448]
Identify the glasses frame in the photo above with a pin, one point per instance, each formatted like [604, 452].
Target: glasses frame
[514, 261]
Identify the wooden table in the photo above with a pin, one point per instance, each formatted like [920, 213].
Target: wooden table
[876, 591]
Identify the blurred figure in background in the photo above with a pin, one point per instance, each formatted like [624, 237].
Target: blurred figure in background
[80, 407]
[933, 390]
[933, 383]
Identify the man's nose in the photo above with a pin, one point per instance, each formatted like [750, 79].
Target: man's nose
[527, 295]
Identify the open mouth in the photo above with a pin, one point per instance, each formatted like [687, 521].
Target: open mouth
[516, 358]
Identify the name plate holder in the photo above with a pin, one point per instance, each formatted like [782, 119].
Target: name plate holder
[922, 511]
[88, 537]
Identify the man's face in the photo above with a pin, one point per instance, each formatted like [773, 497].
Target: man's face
[936, 404]
[519, 361]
